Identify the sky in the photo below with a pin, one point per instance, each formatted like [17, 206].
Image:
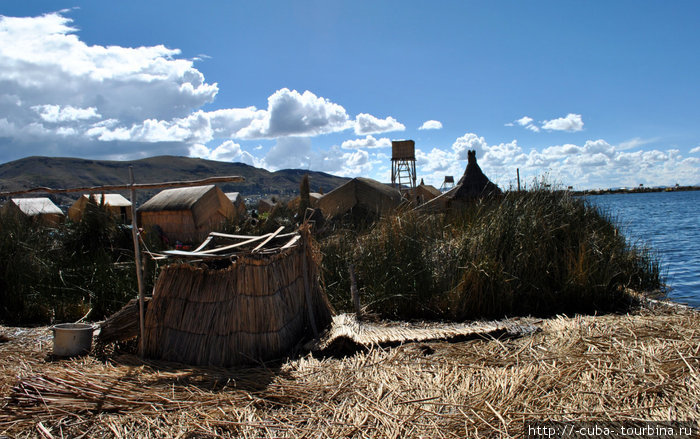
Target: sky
[592, 94]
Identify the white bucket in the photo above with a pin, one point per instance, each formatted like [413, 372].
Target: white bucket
[71, 339]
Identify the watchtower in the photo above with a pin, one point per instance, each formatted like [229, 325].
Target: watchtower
[448, 184]
[403, 164]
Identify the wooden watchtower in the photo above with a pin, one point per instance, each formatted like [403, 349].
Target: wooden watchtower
[403, 164]
[448, 184]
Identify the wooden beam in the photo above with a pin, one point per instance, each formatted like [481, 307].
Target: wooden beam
[269, 238]
[167, 184]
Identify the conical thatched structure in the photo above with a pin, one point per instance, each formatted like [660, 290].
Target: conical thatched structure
[41, 210]
[473, 185]
[258, 308]
[116, 205]
[363, 193]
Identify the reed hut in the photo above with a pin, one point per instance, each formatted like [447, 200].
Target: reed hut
[363, 194]
[238, 202]
[41, 210]
[314, 198]
[473, 185]
[187, 214]
[266, 205]
[115, 204]
[423, 193]
[258, 308]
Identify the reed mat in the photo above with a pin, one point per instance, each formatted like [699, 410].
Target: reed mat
[639, 366]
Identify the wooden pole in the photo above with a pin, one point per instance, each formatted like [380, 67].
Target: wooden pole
[518, 171]
[137, 259]
[122, 187]
[355, 294]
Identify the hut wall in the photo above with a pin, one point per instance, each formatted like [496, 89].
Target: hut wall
[254, 310]
[76, 210]
[375, 200]
[338, 201]
[177, 225]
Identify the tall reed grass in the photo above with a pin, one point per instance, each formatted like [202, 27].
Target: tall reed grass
[540, 252]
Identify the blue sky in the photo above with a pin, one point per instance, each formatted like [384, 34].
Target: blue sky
[592, 94]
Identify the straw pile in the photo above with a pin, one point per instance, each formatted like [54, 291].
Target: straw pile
[254, 310]
[123, 324]
[642, 366]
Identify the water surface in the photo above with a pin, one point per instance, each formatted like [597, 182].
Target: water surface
[669, 223]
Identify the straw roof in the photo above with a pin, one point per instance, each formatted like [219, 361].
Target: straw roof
[176, 199]
[361, 192]
[42, 209]
[256, 309]
[36, 206]
[474, 184]
[235, 197]
[115, 203]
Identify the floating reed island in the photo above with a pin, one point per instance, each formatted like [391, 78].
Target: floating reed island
[643, 365]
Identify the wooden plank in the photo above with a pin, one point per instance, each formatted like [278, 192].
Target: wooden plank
[269, 238]
[204, 244]
[121, 187]
[238, 244]
[226, 235]
[292, 241]
[184, 253]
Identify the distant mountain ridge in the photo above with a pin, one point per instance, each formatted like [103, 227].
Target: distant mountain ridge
[64, 172]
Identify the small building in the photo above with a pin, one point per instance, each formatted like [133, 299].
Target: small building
[187, 214]
[238, 201]
[314, 198]
[42, 210]
[360, 193]
[266, 205]
[115, 204]
[423, 193]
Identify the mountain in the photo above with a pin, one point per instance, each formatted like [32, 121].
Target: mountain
[63, 173]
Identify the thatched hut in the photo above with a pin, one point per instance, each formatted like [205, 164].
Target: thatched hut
[314, 198]
[238, 202]
[41, 210]
[360, 193]
[187, 214]
[423, 193]
[258, 308]
[115, 204]
[266, 205]
[474, 184]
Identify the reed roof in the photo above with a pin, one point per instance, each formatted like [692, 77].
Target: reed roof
[114, 200]
[235, 197]
[36, 206]
[363, 192]
[176, 199]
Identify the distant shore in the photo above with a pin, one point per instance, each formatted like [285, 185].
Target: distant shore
[636, 190]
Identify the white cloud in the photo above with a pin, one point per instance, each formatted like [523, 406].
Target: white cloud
[290, 113]
[55, 114]
[572, 122]
[695, 150]
[468, 141]
[368, 124]
[431, 125]
[228, 151]
[524, 121]
[289, 153]
[367, 142]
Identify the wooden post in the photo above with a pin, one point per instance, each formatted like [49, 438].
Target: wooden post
[518, 171]
[137, 259]
[355, 294]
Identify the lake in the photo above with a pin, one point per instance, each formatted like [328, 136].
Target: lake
[669, 223]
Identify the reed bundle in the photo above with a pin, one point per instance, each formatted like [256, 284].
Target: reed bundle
[634, 367]
[254, 310]
[122, 325]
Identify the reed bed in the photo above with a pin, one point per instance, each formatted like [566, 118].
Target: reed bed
[639, 366]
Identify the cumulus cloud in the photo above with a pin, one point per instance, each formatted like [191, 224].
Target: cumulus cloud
[368, 124]
[367, 142]
[229, 151]
[572, 122]
[467, 142]
[431, 125]
[525, 122]
[61, 96]
[695, 150]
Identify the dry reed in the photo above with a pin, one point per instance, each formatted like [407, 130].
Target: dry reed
[639, 366]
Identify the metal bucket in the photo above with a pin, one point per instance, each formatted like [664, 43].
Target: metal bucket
[71, 339]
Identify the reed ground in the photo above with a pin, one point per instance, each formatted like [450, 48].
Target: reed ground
[644, 365]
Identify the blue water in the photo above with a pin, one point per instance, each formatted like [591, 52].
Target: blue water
[669, 223]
